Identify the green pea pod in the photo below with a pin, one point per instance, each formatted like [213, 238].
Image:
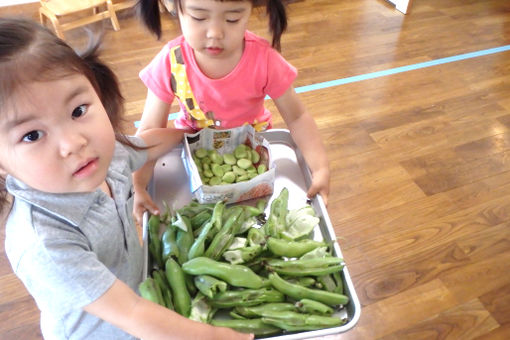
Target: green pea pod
[156, 275]
[281, 247]
[194, 208]
[154, 240]
[236, 316]
[276, 222]
[167, 298]
[198, 247]
[160, 278]
[298, 292]
[225, 235]
[319, 252]
[242, 255]
[184, 240]
[209, 285]
[246, 297]
[292, 321]
[181, 222]
[199, 230]
[282, 207]
[261, 204]
[192, 289]
[200, 218]
[247, 223]
[258, 311]
[305, 281]
[256, 236]
[253, 326]
[169, 243]
[327, 282]
[234, 274]
[326, 264]
[200, 310]
[317, 263]
[313, 307]
[337, 276]
[251, 211]
[266, 283]
[177, 281]
[217, 215]
[149, 290]
[309, 271]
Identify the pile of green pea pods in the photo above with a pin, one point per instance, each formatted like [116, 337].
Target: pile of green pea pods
[239, 166]
[212, 260]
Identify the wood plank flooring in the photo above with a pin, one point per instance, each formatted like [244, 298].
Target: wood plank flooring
[420, 160]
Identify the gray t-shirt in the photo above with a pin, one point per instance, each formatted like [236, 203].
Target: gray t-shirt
[68, 249]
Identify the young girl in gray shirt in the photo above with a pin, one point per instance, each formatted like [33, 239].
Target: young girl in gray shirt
[70, 235]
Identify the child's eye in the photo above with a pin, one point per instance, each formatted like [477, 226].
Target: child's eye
[32, 136]
[197, 19]
[79, 111]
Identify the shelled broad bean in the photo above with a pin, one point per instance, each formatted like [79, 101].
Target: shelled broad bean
[232, 260]
[240, 165]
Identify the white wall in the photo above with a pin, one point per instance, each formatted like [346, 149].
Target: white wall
[15, 2]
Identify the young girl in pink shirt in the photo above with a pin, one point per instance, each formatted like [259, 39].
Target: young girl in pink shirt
[220, 74]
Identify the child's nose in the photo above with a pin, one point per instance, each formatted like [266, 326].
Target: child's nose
[215, 31]
[71, 143]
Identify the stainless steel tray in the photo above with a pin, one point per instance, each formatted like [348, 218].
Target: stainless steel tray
[170, 184]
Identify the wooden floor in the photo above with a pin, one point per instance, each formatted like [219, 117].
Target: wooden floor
[420, 189]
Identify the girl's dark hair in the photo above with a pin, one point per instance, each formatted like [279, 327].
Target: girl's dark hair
[149, 13]
[30, 52]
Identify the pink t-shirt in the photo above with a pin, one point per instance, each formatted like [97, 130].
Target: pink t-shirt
[237, 98]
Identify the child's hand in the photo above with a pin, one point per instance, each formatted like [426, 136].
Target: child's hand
[320, 185]
[142, 202]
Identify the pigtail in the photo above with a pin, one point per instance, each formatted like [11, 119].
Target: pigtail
[148, 12]
[107, 87]
[105, 83]
[277, 21]
[4, 196]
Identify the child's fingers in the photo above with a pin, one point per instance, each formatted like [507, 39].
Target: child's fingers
[318, 188]
[152, 207]
[315, 187]
[312, 191]
[142, 203]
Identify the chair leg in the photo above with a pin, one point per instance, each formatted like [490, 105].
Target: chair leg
[113, 15]
[54, 21]
[58, 31]
[41, 18]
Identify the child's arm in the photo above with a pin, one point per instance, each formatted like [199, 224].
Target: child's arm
[159, 141]
[144, 319]
[155, 115]
[306, 135]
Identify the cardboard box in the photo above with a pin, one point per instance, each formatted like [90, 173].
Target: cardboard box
[225, 141]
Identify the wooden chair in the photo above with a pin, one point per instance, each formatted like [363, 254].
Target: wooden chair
[77, 12]
[123, 4]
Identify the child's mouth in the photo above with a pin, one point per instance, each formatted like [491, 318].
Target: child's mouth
[88, 168]
[214, 50]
